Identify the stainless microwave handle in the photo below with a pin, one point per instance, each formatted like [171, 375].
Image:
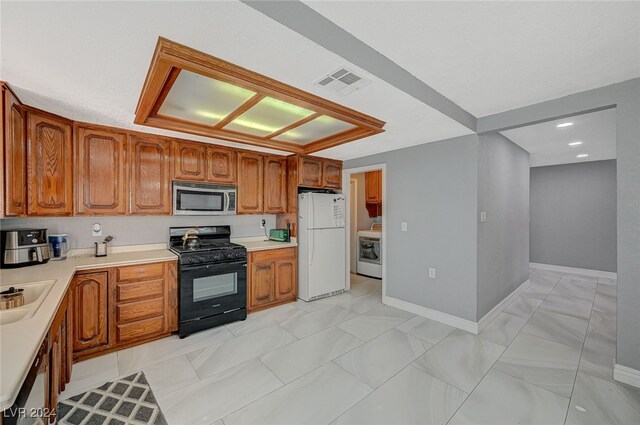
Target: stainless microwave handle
[227, 201]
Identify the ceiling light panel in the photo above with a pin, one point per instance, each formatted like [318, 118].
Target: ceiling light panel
[582, 155]
[576, 143]
[268, 116]
[319, 128]
[202, 100]
[564, 124]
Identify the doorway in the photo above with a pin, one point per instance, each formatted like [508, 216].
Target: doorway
[366, 219]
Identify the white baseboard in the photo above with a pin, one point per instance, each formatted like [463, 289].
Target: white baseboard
[564, 269]
[626, 375]
[495, 311]
[438, 316]
[455, 321]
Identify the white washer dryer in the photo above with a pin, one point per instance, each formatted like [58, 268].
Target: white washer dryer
[370, 251]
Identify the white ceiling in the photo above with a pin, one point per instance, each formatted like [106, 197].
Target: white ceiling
[490, 57]
[88, 61]
[549, 145]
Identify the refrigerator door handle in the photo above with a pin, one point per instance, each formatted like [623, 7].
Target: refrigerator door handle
[312, 246]
[310, 224]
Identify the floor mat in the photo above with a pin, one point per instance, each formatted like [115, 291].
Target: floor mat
[125, 401]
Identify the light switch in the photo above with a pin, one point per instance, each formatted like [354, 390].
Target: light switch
[432, 272]
[403, 226]
[483, 216]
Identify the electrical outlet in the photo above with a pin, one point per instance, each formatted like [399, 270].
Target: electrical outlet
[96, 229]
[263, 222]
[403, 226]
[483, 216]
[432, 272]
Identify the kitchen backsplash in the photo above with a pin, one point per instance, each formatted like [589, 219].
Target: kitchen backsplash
[136, 230]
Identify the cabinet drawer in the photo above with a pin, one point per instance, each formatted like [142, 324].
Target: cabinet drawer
[140, 329]
[140, 272]
[140, 290]
[139, 310]
[273, 254]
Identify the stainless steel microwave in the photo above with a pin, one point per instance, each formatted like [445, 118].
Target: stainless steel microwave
[203, 199]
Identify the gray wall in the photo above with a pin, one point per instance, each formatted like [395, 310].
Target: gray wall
[503, 240]
[625, 97]
[364, 221]
[432, 187]
[137, 230]
[573, 215]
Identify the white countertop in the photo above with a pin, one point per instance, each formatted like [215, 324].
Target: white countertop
[261, 243]
[20, 341]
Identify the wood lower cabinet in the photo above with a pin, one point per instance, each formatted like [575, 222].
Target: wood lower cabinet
[272, 278]
[222, 165]
[150, 176]
[331, 174]
[89, 298]
[189, 161]
[100, 171]
[14, 190]
[49, 163]
[60, 355]
[144, 299]
[250, 183]
[275, 185]
[123, 306]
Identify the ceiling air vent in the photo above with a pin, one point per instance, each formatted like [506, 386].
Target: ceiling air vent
[343, 81]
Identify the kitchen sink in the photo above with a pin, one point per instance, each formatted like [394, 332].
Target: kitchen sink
[34, 295]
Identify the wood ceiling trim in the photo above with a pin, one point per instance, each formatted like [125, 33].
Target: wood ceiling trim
[168, 84]
[169, 55]
[176, 124]
[338, 139]
[294, 125]
[253, 101]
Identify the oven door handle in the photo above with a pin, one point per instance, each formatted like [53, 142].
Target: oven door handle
[211, 266]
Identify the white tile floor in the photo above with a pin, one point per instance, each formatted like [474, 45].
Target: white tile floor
[547, 359]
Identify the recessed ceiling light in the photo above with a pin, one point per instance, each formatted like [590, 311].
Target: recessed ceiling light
[564, 124]
[576, 143]
[582, 155]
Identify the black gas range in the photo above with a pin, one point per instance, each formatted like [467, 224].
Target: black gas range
[212, 278]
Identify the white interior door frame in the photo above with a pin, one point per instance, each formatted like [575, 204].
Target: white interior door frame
[346, 177]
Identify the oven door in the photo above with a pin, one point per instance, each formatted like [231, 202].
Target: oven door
[193, 200]
[207, 290]
[369, 250]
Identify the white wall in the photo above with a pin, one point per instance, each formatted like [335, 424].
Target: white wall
[137, 230]
[432, 187]
[503, 240]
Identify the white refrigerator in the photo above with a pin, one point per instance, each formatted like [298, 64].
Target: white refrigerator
[321, 245]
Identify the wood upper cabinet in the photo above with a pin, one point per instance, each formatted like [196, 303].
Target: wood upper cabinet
[275, 185]
[221, 164]
[49, 163]
[331, 174]
[150, 177]
[373, 187]
[100, 172]
[15, 156]
[309, 172]
[189, 161]
[89, 302]
[250, 183]
[273, 278]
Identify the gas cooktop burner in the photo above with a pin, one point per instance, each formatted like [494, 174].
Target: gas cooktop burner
[215, 247]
